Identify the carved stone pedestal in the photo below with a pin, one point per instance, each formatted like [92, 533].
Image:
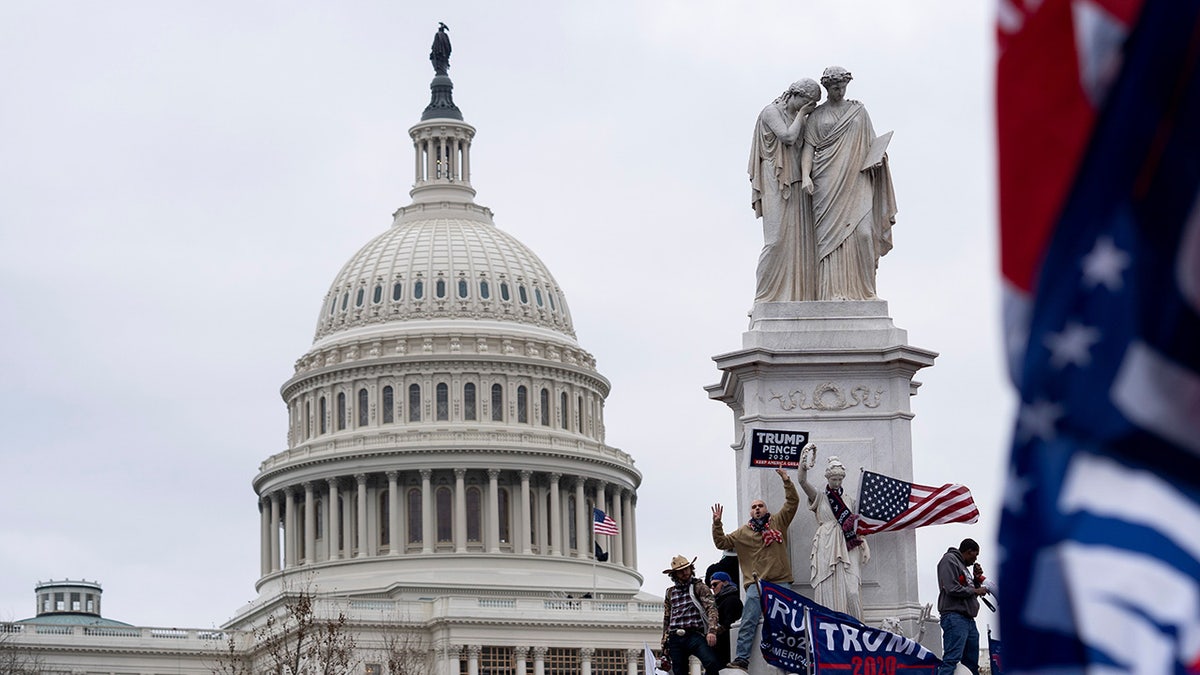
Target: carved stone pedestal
[841, 371]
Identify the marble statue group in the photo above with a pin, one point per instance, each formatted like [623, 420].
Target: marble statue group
[821, 184]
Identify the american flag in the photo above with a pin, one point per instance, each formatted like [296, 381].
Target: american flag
[888, 504]
[1098, 114]
[602, 523]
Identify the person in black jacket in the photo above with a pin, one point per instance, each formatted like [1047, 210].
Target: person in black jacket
[729, 609]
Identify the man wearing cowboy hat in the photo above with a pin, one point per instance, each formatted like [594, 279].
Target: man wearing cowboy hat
[689, 619]
[762, 551]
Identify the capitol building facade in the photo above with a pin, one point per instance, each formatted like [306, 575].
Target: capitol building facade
[444, 462]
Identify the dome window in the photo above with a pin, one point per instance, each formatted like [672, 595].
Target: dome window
[363, 408]
[497, 403]
[484, 291]
[537, 293]
[414, 402]
[563, 412]
[440, 288]
[358, 298]
[377, 296]
[545, 403]
[504, 295]
[550, 297]
[522, 405]
[388, 404]
[443, 401]
[332, 305]
[418, 290]
[397, 291]
[322, 414]
[469, 401]
[341, 410]
[462, 288]
[523, 293]
[345, 300]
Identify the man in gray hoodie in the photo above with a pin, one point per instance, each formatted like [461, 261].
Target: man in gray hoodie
[959, 590]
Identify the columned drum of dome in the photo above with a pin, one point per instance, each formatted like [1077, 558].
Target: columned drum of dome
[446, 428]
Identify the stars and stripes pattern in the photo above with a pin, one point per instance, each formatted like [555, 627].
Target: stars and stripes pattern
[602, 523]
[887, 504]
[1100, 536]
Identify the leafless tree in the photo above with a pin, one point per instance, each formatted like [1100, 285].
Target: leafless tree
[298, 640]
[14, 660]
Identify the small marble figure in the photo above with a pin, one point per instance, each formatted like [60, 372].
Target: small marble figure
[838, 552]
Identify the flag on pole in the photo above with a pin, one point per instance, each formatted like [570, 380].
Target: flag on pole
[1098, 124]
[602, 523]
[651, 661]
[888, 504]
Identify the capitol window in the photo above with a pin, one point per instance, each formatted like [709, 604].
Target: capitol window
[523, 294]
[414, 516]
[502, 510]
[388, 403]
[322, 414]
[384, 519]
[504, 295]
[469, 401]
[484, 292]
[545, 412]
[563, 412]
[414, 403]
[363, 408]
[474, 517]
[358, 298]
[341, 410]
[377, 296]
[550, 297]
[345, 300]
[522, 404]
[462, 288]
[440, 288]
[397, 291]
[497, 403]
[445, 532]
[537, 293]
[443, 402]
[418, 290]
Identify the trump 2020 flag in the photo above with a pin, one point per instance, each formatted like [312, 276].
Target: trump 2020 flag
[888, 504]
[840, 643]
[1098, 114]
[602, 523]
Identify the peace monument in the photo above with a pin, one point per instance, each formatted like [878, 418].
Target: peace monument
[821, 354]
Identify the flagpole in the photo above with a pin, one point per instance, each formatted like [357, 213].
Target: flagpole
[808, 637]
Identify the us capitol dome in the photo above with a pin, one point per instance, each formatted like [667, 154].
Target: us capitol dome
[445, 449]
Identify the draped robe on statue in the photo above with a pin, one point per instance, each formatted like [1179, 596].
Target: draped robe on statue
[787, 264]
[853, 208]
[836, 570]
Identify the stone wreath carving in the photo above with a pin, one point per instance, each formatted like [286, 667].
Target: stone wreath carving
[828, 396]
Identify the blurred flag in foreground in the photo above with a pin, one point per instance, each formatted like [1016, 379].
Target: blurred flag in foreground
[1098, 123]
[888, 504]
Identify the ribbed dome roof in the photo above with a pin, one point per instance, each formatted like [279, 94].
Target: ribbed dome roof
[444, 261]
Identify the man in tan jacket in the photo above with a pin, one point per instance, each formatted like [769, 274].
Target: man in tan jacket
[762, 550]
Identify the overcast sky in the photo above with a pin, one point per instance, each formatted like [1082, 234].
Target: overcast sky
[182, 181]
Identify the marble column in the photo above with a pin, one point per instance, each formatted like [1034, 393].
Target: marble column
[310, 523]
[334, 516]
[473, 659]
[632, 658]
[493, 511]
[264, 540]
[617, 542]
[627, 529]
[556, 535]
[275, 531]
[582, 517]
[289, 526]
[521, 654]
[347, 522]
[524, 528]
[427, 533]
[585, 660]
[363, 550]
[460, 511]
[542, 532]
[601, 504]
[395, 542]
[539, 661]
[632, 558]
